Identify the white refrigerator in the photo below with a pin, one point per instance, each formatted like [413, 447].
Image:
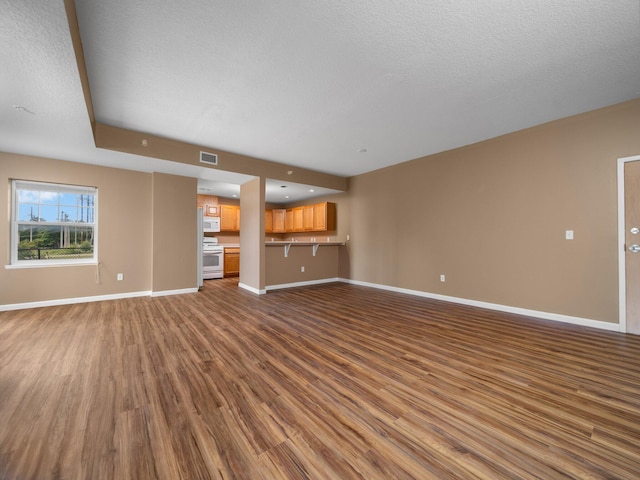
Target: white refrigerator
[200, 235]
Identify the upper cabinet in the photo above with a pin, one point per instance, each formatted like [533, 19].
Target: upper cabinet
[209, 204]
[268, 221]
[279, 218]
[324, 217]
[289, 220]
[298, 220]
[229, 218]
[307, 218]
[320, 217]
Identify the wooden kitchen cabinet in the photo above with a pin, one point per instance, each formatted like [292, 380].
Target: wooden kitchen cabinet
[307, 218]
[279, 218]
[209, 204]
[320, 217]
[211, 210]
[298, 219]
[229, 218]
[288, 223]
[231, 261]
[268, 221]
[324, 217]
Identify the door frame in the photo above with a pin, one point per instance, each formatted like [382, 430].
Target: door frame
[622, 272]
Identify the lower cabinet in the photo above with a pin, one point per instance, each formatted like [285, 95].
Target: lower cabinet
[231, 261]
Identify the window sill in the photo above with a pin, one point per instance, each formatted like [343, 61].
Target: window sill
[50, 264]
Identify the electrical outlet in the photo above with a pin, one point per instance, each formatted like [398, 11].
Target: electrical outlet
[120, 276]
[442, 278]
[568, 235]
[302, 269]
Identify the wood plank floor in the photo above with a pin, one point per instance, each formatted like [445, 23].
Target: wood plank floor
[328, 382]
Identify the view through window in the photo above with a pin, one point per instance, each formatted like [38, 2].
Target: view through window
[53, 223]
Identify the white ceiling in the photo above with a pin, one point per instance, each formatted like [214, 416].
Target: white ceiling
[308, 83]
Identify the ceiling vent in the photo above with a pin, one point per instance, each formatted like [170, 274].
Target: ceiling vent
[208, 158]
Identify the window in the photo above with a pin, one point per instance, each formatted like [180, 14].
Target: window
[53, 224]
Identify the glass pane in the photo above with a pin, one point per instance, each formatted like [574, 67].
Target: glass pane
[67, 214]
[49, 198]
[84, 215]
[28, 213]
[81, 211]
[27, 196]
[48, 213]
[55, 242]
[71, 199]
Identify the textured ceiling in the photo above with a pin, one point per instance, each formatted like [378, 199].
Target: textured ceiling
[310, 83]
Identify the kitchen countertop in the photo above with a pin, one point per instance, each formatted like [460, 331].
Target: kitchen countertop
[294, 242]
[284, 242]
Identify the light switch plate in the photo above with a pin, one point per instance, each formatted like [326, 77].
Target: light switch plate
[568, 235]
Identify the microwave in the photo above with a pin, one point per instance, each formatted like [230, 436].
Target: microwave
[211, 224]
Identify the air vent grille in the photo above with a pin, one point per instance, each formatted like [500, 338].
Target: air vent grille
[208, 158]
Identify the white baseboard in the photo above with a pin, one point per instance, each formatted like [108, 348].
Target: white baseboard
[95, 298]
[301, 284]
[586, 322]
[68, 301]
[556, 317]
[164, 293]
[251, 289]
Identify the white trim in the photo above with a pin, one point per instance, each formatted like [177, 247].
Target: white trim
[251, 289]
[622, 274]
[556, 317]
[16, 185]
[164, 293]
[95, 298]
[68, 301]
[52, 263]
[301, 284]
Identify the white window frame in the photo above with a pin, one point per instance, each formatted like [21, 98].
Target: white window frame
[17, 185]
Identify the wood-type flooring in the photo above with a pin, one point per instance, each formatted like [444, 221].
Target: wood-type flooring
[328, 382]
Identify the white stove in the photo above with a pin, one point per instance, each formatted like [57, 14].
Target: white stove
[212, 258]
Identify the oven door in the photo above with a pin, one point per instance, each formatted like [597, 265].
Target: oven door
[212, 264]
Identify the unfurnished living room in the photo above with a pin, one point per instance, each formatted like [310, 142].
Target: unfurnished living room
[321, 240]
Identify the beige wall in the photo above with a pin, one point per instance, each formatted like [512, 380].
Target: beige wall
[124, 233]
[175, 235]
[252, 257]
[282, 270]
[146, 231]
[129, 141]
[492, 218]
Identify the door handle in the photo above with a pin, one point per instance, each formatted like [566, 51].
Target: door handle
[635, 248]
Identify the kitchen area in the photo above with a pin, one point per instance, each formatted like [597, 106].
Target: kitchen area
[220, 234]
[299, 232]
